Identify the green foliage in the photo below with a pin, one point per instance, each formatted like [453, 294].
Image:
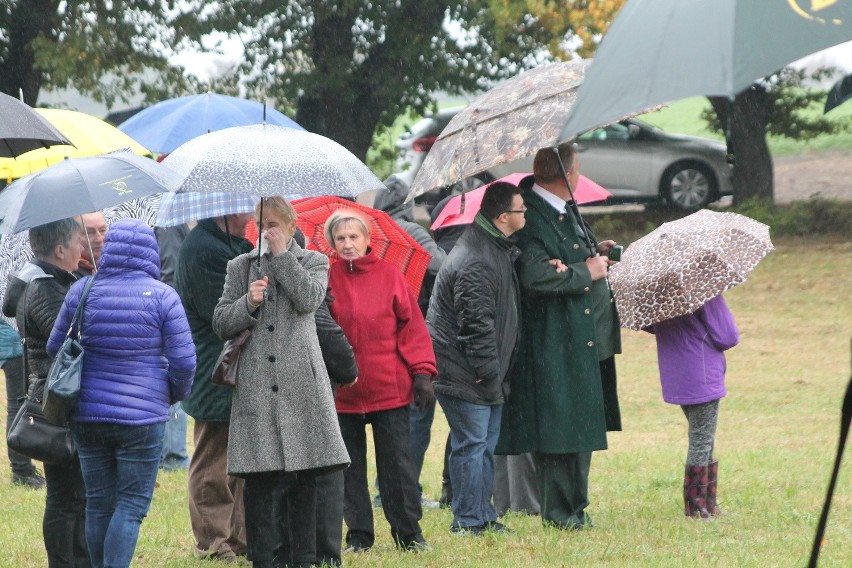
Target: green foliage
[812, 217]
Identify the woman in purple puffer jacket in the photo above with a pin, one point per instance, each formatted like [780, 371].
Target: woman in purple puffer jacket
[139, 359]
[690, 353]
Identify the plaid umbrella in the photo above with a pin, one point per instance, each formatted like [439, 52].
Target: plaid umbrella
[387, 239]
[677, 267]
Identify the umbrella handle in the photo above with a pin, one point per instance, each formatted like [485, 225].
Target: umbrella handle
[586, 237]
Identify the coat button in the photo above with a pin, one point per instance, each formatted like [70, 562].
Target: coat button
[587, 311]
[586, 289]
[271, 358]
[591, 343]
[271, 328]
[274, 388]
[576, 246]
[562, 217]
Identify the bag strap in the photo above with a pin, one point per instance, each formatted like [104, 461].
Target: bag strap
[77, 321]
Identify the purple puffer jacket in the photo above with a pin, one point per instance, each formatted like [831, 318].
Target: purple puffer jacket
[690, 353]
[139, 355]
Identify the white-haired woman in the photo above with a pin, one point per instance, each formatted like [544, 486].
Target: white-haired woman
[381, 319]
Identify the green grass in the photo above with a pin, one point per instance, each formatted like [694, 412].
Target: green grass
[776, 443]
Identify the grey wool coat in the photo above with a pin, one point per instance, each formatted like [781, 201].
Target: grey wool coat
[282, 412]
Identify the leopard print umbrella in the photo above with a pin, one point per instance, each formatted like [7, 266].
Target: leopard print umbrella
[679, 266]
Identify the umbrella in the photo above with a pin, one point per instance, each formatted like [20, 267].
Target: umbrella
[658, 51]
[22, 129]
[81, 185]
[89, 135]
[170, 123]
[266, 160]
[587, 192]
[388, 240]
[510, 121]
[677, 267]
[839, 93]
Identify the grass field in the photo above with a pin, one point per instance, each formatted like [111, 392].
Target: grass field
[776, 443]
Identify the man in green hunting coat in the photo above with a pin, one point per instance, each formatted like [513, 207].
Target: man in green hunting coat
[563, 386]
[216, 511]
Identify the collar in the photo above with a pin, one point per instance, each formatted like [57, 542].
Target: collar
[554, 201]
[362, 264]
[488, 227]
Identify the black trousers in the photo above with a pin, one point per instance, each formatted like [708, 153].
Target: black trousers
[281, 518]
[563, 488]
[329, 520]
[64, 523]
[397, 477]
[16, 388]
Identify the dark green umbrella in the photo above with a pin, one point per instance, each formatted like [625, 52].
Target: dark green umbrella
[659, 51]
[839, 93]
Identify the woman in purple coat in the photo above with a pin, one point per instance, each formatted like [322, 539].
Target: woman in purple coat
[690, 352]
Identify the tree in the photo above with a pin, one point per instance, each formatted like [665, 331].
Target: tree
[352, 65]
[776, 105]
[105, 49]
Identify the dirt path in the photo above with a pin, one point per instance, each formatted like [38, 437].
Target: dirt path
[828, 174]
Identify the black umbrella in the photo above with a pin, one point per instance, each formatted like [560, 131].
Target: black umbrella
[22, 129]
[839, 93]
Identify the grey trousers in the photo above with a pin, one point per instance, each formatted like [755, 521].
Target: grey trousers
[702, 420]
[515, 485]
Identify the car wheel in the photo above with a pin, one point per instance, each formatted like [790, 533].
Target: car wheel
[688, 186]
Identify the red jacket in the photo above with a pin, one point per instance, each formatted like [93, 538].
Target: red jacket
[382, 321]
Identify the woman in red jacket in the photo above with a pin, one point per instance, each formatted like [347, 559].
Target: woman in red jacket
[382, 321]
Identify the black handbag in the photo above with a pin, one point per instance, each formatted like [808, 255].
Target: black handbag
[33, 436]
[63, 378]
[227, 367]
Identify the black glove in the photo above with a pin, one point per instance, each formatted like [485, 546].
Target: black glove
[424, 394]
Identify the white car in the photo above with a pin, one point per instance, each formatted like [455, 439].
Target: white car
[634, 161]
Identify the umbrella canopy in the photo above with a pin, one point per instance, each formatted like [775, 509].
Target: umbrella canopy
[388, 240]
[587, 192]
[658, 51]
[81, 185]
[839, 93]
[510, 121]
[22, 129]
[170, 123]
[676, 268]
[89, 135]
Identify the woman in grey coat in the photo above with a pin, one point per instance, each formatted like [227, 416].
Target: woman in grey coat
[284, 429]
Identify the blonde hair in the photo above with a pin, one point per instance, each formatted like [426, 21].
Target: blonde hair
[342, 216]
[278, 206]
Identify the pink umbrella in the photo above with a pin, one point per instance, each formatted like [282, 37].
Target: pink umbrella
[587, 191]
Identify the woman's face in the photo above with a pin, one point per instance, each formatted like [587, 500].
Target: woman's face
[350, 241]
[274, 220]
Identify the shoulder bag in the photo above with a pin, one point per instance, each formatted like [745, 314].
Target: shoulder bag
[227, 366]
[10, 342]
[63, 379]
[30, 434]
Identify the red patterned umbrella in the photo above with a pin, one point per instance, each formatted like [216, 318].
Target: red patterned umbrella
[388, 240]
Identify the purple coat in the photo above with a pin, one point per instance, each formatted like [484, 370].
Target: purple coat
[690, 353]
[139, 357]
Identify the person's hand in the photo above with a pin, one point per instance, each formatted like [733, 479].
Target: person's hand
[348, 385]
[424, 394]
[604, 246]
[560, 266]
[278, 240]
[597, 266]
[256, 293]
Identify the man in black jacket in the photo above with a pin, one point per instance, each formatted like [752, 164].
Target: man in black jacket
[473, 321]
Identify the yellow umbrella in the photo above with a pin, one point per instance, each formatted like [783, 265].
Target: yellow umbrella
[90, 135]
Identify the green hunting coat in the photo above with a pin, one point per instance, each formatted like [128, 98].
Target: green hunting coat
[568, 325]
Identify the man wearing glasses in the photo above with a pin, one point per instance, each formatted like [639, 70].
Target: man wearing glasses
[473, 320]
[564, 397]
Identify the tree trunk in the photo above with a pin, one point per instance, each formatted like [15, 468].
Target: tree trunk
[753, 172]
[27, 20]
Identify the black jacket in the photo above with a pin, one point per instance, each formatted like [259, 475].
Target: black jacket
[36, 292]
[474, 314]
[337, 354]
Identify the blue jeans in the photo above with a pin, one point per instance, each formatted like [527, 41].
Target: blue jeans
[474, 429]
[120, 469]
[174, 455]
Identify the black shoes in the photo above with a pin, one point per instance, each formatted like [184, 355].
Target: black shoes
[480, 530]
[32, 479]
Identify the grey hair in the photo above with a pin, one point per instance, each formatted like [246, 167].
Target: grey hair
[45, 237]
[344, 216]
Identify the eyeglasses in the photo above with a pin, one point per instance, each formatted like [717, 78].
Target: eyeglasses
[522, 210]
